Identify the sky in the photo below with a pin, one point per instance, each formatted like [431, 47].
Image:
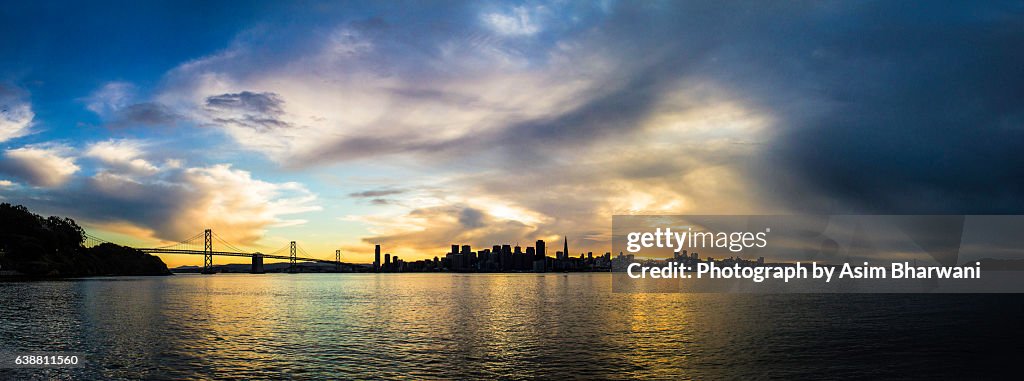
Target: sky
[421, 124]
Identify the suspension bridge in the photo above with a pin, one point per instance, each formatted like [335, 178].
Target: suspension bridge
[203, 244]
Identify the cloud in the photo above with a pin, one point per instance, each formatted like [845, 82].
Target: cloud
[348, 43]
[174, 203]
[258, 111]
[471, 218]
[419, 230]
[317, 106]
[16, 114]
[901, 117]
[110, 98]
[232, 200]
[116, 103]
[122, 154]
[518, 22]
[144, 114]
[376, 193]
[639, 108]
[246, 101]
[115, 151]
[46, 165]
[543, 141]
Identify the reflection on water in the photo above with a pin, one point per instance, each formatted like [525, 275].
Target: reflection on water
[492, 326]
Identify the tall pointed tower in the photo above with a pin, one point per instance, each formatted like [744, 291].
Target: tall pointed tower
[565, 247]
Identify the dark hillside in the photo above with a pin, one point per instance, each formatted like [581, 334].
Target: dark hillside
[31, 245]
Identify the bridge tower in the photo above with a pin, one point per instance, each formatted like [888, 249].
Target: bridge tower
[208, 251]
[291, 258]
[337, 260]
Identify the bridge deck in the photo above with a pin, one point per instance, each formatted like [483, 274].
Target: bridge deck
[234, 254]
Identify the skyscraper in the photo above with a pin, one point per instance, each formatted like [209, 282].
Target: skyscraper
[518, 259]
[540, 261]
[376, 258]
[565, 249]
[506, 257]
[467, 256]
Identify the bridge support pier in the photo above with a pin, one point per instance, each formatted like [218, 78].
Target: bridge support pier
[257, 264]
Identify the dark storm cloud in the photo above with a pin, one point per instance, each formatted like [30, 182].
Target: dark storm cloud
[878, 107]
[903, 109]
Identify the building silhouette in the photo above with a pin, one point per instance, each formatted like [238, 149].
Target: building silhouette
[540, 262]
[498, 258]
[376, 258]
[565, 247]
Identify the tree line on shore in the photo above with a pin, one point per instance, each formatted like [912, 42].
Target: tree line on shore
[31, 245]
